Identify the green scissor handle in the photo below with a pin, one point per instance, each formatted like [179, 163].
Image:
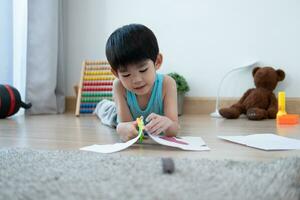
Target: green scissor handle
[140, 123]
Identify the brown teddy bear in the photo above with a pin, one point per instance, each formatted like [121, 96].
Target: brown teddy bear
[260, 102]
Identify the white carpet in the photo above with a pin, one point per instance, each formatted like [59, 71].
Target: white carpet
[32, 174]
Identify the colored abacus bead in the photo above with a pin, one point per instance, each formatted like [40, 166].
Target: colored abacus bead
[95, 85]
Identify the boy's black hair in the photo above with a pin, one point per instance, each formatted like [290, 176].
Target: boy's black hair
[131, 44]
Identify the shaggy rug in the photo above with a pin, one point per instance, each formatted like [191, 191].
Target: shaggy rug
[39, 174]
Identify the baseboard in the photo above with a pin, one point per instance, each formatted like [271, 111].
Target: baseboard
[70, 104]
[202, 105]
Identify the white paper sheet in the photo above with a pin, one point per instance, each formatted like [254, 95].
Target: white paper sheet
[266, 141]
[185, 143]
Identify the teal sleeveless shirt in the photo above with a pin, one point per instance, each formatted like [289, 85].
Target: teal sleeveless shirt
[155, 104]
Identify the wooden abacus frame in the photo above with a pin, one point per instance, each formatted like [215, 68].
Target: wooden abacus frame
[95, 84]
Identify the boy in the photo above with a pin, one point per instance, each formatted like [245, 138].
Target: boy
[133, 53]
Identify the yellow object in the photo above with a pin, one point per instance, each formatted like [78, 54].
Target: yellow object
[281, 104]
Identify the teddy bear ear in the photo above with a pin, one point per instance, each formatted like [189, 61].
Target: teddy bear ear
[255, 70]
[280, 74]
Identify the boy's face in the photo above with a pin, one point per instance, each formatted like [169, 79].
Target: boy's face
[139, 78]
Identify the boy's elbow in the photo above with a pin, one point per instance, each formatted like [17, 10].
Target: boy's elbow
[172, 131]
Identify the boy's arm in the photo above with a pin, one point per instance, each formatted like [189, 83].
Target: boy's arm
[170, 104]
[126, 127]
[119, 93]
[168, 123]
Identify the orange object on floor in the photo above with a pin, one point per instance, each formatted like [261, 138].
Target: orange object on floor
[288, 119]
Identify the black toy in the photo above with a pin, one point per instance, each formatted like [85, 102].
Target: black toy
[10, 101]
[168, 165]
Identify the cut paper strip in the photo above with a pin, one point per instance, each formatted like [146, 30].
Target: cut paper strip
[266, 141]
[111, 148]
[185, 143]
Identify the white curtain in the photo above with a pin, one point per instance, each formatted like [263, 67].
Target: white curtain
[13, 40]
[6, 42]
[19, 45]
[31, 52]
[45, 73]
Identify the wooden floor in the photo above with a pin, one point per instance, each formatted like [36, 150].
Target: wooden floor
[67, 132]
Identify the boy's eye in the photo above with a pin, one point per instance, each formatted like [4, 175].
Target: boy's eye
[125, 75]
[144, 70]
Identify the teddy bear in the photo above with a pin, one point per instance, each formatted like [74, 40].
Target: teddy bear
[258, 103]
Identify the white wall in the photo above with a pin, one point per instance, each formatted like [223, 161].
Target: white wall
[201, 39]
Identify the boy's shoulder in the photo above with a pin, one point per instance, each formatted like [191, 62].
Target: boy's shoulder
[168, 84]
[118, 87]
[168, 80]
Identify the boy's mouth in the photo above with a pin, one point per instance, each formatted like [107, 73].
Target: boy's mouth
[140, 87]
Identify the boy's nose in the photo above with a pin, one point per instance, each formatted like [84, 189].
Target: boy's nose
[137, 79]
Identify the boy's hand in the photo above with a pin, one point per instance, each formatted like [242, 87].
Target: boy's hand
[127, 130]
[157, 124]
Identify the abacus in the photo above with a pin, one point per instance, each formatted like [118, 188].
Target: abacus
[95, 85]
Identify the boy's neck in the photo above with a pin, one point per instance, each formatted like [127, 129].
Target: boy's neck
[144, 99]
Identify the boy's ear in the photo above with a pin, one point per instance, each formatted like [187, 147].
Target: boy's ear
[158, 62]
[114, 72]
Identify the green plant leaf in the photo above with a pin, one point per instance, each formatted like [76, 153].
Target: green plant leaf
[182, 85]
